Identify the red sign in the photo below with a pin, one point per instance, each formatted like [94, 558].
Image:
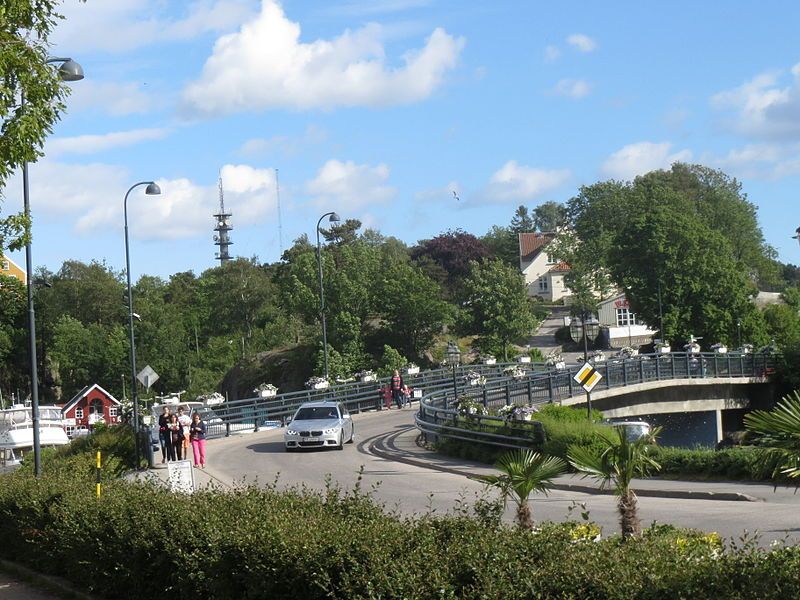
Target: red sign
[623, 303]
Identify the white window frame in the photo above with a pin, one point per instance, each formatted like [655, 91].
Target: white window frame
[551, 260]
[112, 411]
[78, 413]
[543, 283]
[625, 317]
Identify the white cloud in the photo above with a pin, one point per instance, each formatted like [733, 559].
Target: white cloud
[582, 42]
[118, 99]
[551, 53]
[572, 88]
[89, 144]
[347, 186]
[123, 25]
[284, 144]
[265, 65]
[91, 197]
[513, 182]
[759, 161]
[640, 158]
[763, 107]
[450, 194]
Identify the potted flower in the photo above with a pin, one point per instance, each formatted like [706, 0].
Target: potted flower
[719, 348]
[488, 359]
[266, 390]
[515, 372]
[523, 358]
[597, 356]
[662, 347]
[366, 376]
[747, 348]
[411, 369]
[628, 352]
[469, 407]
[317, 383]
[474, 378]
[555, 360]
[517, 412]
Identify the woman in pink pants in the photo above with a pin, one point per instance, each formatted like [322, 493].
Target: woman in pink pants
[197, 435]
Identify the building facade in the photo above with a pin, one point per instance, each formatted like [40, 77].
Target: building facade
[90, 406]
[619, 326]
[544, 275]
[11, 269]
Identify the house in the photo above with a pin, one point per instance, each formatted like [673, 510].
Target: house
[10, 269]
[619, 326]
[544, 275]
[91, 405]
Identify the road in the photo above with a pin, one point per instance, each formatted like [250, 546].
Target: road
[409, 489]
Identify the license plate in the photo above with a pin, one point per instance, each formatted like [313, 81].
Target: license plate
[308, 439]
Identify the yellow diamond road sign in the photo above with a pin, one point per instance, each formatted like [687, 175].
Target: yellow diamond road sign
[588, 377]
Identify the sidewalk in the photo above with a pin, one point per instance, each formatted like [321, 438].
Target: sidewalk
[402, 446]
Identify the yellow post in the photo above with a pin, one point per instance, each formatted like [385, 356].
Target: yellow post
[97, 484]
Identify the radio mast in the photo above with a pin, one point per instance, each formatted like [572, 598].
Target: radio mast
[222, 239]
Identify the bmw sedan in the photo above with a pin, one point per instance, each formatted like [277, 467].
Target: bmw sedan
[319, 425]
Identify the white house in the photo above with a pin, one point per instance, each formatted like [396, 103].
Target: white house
[620, 327]
[544, 275]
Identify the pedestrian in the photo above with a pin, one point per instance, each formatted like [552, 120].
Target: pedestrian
[185, 421]
[176, 437]
[197, 434]
[396, 386]
[164, 437]
[406, 395]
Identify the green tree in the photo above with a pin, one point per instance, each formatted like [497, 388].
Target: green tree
[782, 325]
[496, 302]
[25, 26]
[502, 243]
[522, 221]
[618, 462]
[13, 335]
[549, 216]
[524, 472]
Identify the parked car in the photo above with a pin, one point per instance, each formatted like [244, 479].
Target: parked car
[319, 425]
[633, 429]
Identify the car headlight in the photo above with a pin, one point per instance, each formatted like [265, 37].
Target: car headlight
[331, 430]
[292, 432]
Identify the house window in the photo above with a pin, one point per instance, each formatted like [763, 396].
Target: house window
[96, 407]
[112, 411]
[625, 317]
[78, 413]
[6, 266]
[543, 283]
[551, 259]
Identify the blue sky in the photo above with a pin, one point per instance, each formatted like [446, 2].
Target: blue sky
[380, 109]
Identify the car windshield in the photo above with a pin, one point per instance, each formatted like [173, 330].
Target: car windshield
[311, 413]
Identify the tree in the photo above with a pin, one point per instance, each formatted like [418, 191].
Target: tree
[521, 222]
[25, 26]
[342, 234]
[496, 302]
[452, 252]
[549, 216]
[618, 461]
[524, 472]
[502, 243]
[779, 432]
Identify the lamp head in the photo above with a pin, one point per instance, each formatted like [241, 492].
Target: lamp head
[152, 189]
[70, 71]
[334, 218]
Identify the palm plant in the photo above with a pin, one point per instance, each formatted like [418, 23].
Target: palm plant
[779, 431]
[619, 461]
[524, 472]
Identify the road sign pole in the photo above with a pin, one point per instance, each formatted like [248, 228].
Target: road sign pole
[589, 405]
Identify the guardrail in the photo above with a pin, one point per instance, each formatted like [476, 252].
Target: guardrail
[252, 414]
[438, 418]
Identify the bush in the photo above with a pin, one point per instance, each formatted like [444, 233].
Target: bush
[734, 463]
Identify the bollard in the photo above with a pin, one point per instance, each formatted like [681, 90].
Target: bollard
[255, 425]
[97, 475]
[227, 430]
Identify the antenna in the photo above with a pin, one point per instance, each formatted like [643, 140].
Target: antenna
[280, 221]
[223, 227]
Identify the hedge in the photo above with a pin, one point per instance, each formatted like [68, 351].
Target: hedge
[141, 541]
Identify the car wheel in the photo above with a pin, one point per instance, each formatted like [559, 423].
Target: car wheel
[341, 441]
[352, 435]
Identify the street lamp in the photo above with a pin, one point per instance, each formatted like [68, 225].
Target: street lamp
[453, 358]
[151, 190]
[68, 71]
[334, 218]
[587, 328]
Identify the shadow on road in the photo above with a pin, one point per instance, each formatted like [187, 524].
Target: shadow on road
[266, 447]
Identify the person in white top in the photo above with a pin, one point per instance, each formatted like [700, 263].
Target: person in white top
[186, 422]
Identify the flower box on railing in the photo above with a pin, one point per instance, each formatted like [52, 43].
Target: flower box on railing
[489, 360]
[417, 393]
[366, 376]
[317, 383]
[524, 359]
[411, 370]
[719, 349]
[266, 390]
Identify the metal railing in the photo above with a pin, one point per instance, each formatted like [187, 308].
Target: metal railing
[438, 417]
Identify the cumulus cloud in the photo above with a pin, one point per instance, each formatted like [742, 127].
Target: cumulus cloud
[350, 186]
[515, 182]
[763, 107]
[572, 88]
[266, 65]
[91, 196]
[450, 194]
[759, 161]
[640, 158]
[123, 25]
[89, 144]
[117, 99]
[284, 144]
[582, 42]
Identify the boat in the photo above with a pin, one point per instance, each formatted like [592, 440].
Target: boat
[16, 431]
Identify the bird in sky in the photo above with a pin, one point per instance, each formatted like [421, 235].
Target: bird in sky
[455, 195]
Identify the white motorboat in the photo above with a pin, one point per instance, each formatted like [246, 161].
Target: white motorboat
[16, 431]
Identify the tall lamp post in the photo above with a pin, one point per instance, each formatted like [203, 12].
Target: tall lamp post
[453, 358]
[587, 328]
[151, 190]
[68, 71]
[334, 218]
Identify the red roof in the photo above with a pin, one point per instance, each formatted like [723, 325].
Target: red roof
[531, 244]
[561, 266]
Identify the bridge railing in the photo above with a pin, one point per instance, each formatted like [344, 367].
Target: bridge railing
[437, 415]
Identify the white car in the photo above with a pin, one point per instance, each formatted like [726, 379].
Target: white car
[319, 425]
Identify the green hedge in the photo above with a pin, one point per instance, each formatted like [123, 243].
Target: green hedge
[140, 541]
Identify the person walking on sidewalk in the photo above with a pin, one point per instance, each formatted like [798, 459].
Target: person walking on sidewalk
[197, 435]
[176, 437]
[163, 434]
[396, 384]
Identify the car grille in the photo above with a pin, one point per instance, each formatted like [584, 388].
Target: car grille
[312, 443]
[310, 433]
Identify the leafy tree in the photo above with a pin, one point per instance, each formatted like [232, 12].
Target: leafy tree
[13, 334]
[619, 461]
[783, 324]
[502, 243]
[25, 26]
[524, 472]
[452, 252]
[522, 221]
[779, 432]
[343, 233]
[391, 359]
[549, 216]
[496, 302]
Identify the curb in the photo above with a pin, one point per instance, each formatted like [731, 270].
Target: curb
[377, 447]
[45, 583]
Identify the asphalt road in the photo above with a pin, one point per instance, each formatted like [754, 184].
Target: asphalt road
[409, 489]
